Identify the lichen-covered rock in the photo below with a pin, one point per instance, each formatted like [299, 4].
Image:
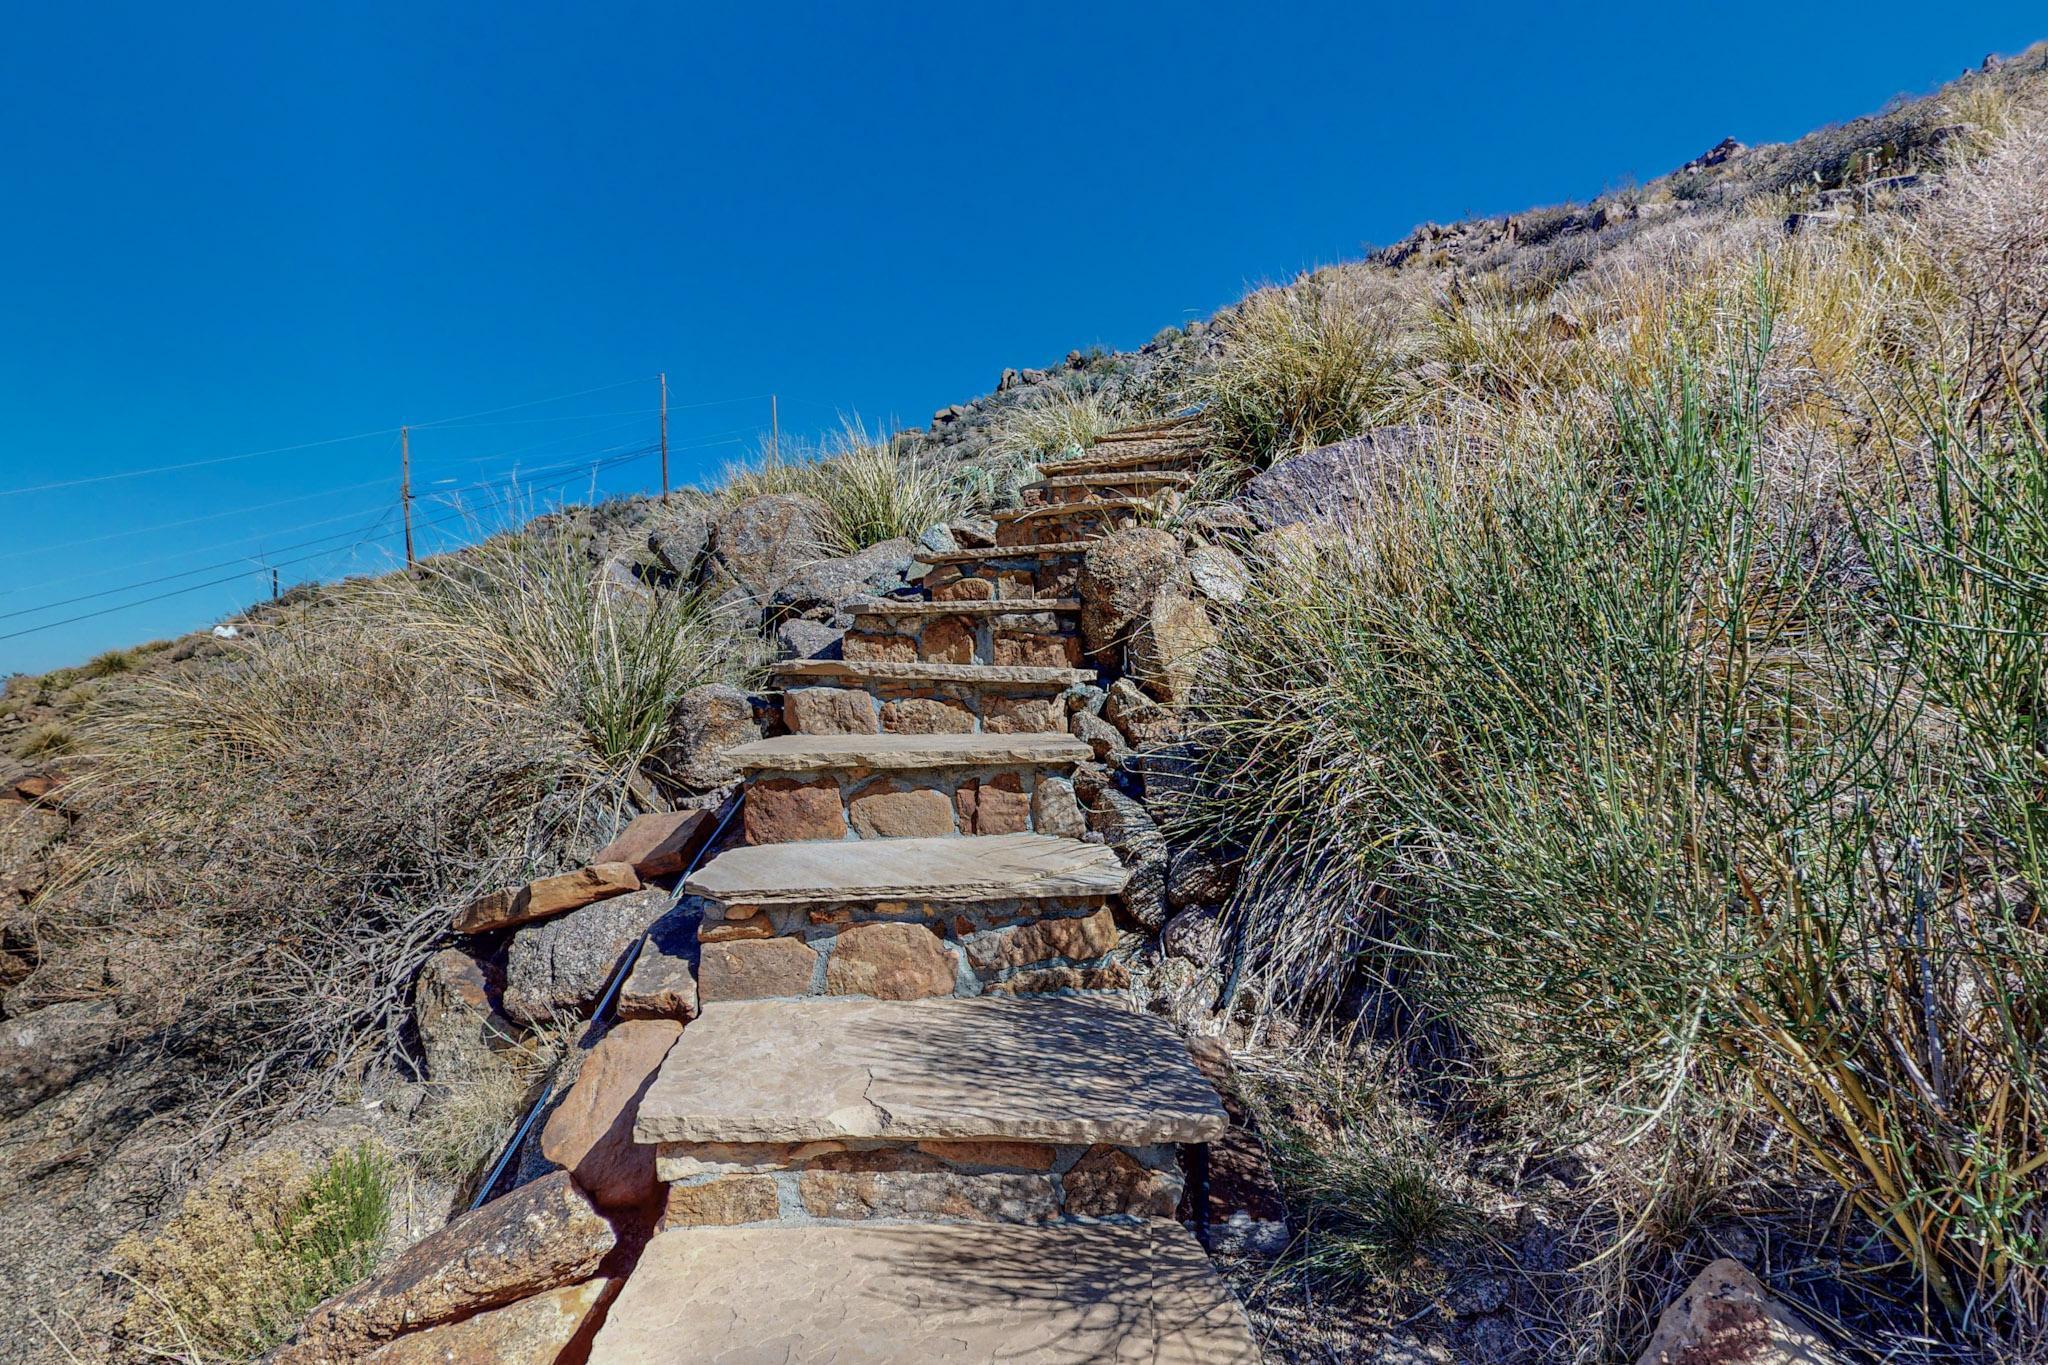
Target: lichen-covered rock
[1218, 574]
[762, 544]
[1120, 576]
[590, 1134]
[1337, 482]
[679, 538]
[456, 1009]
[1169, 651]
[1199, 877]
[532, 1331]
[43, 1052]
[539, 1237]
[878, 570]
[560, 968]
[799, 638]
[1726, 1318]
[707, 721]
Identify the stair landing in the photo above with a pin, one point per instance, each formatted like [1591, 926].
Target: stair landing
[907, 1294]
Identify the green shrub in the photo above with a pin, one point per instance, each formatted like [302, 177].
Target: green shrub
[1606, 763]
[246, 1256]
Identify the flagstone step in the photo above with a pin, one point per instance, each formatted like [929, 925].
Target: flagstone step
[852, 696]
[1052, 569]
[904, 753]
[1068, 489]
[894, 607]
[1064, 522]
[1071, 1069]
[917, 1294]
[1161, 456]
[935, 872]
[1007, 554]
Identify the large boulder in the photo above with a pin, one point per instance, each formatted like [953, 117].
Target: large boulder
[591, 1133]
[539, 1237]
[1120, 577]
[1169, 652]
[680, 536]
[560, 968]
[1725, 1317]
[878, 570]
[535, 1330]
[761, 544]
[1337, 482]
[707, 721]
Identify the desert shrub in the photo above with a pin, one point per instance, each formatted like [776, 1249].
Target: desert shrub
[1303, 366]
[1608, 764]
[283, 836]
[872, 488]
[249, 1253]
[1061, 423]
[45, 740]
[531, 613]
[111, 663]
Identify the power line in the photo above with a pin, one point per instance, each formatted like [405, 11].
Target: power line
[304, 445]
[579, 471]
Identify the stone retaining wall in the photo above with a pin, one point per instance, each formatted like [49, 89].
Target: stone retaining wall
[858, 803]
[1001, 579]
[981, 1182]
[907, 951]
[1029, 639]
[925, 708]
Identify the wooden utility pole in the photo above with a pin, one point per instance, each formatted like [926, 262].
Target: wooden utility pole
[774, 426]
[273, 583]
[405, 487]
[664, 435]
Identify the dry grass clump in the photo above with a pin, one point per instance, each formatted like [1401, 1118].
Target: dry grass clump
[465, 1124]
[872, 488]
[1305, 365]
[549, 629]
[46, 739]
[249, 1253]
[1065, 422]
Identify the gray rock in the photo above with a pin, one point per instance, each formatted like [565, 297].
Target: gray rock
[43, 1052]
[938, 540]
[1219, 575]
[708, 721]
[1105, 739]
[1121, 576]
[560, 967]
[798, 638]
[1198, 876]
[762, 544]
[876, 571]
[1145, 892]
[1194, 935]
[455, 1007]
[680, 539]
[1220, 519]
[1335, 483]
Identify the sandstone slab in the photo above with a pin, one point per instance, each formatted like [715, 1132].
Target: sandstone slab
[984, 675]
[1065, 1070]
[539, 1237]
[548, 896]
[660, 845]
[829, 711]
[1725, 1317]
[757, 969]
[886, 1294]
[890, 962]
[896, 753]
[590, 1134]
[530, 1332]
[1016, 606]
[945, 870]
[1004, 554]
[663, 982]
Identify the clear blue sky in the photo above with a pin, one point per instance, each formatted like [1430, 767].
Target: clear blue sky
[238, 228]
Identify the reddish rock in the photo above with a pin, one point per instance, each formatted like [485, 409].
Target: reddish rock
[785, 809]
[881, 811]
[829, 711]
[539, 1237]
[1037, 651]
[756, 969]
[1078, 937]
[997, 806]
[1002, 715]
[659, 845]
[591, 1133]
[926, 716]
[663, 982]
[874, 647]
[947, 640]
[707, 721]
[533, 1331]
[546, 897]
[1726, 1318]
[1108, 1181]
[1120, 576]
[889, 962]
[722, 1203]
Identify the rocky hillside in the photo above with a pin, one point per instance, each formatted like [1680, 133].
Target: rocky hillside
[1551, 733]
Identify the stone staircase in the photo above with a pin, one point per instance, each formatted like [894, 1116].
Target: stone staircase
[911, 1122]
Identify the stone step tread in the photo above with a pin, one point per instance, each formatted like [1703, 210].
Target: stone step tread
[918, 1294]
[1176, 478]
[878, 671]
[1054, 511]
[944, 869]
[1014, 606]
[1064, 1069]
[1110, 464]
[821, 753]
[998, 554]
